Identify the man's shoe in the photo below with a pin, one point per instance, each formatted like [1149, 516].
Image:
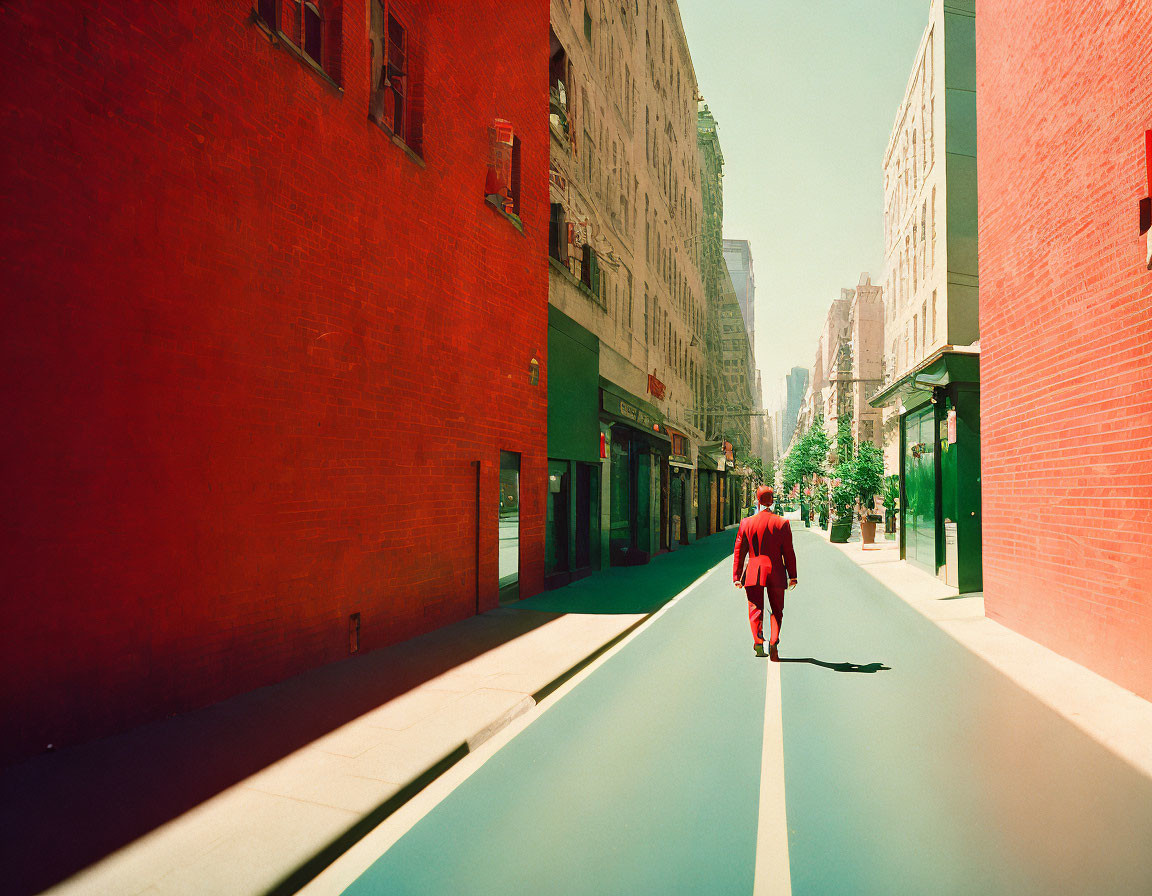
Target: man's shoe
[759, 649]
[774, 652]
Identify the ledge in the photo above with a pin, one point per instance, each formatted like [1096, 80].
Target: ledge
[514, 220]
[404, 147]
[580, 285]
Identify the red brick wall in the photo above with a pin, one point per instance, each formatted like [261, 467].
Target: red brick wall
[1064, 98]
[251, 348]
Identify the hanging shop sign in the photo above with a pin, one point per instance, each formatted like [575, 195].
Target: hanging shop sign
[655, 387]
[952, 427]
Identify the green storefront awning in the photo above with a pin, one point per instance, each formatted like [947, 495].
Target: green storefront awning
[942, 369]
[620, 405]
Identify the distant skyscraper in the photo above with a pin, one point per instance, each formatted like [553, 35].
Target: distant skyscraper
[796, 386]
[738, 259]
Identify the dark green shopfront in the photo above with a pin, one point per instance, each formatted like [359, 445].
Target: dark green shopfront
[621, 483]
[572, 538]
[940, 505]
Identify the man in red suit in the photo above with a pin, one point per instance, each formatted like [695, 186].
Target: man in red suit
[765, 541]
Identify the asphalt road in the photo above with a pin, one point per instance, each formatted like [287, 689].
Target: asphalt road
[911, 767]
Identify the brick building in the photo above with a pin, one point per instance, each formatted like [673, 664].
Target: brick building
[261, 325]
[1065, 101]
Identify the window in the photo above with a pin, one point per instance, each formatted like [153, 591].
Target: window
[558, 234]
[933, 315]
[268, 10]
[397, 75]
[590, 269]
[310, 31]
[915, 335]
[313, 30]
[646, 301]
[587, 24]
[924, 325]
[558, 80]
[396, 97]
[514, 186]
[933, 228]
[589, 147]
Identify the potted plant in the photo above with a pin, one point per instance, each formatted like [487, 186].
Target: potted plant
[891, 497]
[843, 499]
[868, 478]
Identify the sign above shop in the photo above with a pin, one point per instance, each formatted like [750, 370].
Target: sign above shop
[628, 411]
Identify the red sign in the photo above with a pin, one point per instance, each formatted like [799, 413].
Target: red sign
[603, 447]
[1148, 151]
[655, 387]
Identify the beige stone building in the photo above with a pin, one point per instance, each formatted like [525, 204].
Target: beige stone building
[625, 290]
[847, 369]
[930, 279]
[866, 325]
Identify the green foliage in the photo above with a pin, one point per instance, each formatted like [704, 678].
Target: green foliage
[755, 464]
[844, 492]
[891, 492]
[868, 473]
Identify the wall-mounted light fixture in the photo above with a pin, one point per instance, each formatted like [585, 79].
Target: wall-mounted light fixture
[533, 372]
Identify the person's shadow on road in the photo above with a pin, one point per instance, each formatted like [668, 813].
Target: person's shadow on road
[837, 667]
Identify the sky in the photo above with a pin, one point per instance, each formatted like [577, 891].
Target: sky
[805, 94]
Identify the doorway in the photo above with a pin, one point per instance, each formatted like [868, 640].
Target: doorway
[509, 526]
[920, 486]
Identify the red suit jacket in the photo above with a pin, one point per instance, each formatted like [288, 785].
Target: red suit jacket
[766, 540]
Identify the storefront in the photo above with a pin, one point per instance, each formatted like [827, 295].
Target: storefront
[678, 475]
[572, 542]
[940, 507]
[710, 466]
[635, 445]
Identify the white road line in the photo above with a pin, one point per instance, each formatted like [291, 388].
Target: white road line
[773, 875]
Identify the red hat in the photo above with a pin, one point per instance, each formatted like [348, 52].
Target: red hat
[764, 495]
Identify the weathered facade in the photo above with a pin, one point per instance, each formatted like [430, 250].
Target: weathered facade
[624, 283]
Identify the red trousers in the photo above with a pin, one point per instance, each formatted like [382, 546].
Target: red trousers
[755, 594]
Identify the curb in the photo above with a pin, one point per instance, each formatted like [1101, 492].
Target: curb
[310, 869]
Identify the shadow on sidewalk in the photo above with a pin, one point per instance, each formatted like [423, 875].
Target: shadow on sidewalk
[65, 811]
[637, 589]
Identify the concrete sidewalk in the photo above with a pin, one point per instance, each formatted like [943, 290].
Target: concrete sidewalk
[260, 793]
[1106, 712]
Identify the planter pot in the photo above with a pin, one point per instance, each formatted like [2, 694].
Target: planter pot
[889, 524]
[841, 531]
[868, 531]
[804, 514]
